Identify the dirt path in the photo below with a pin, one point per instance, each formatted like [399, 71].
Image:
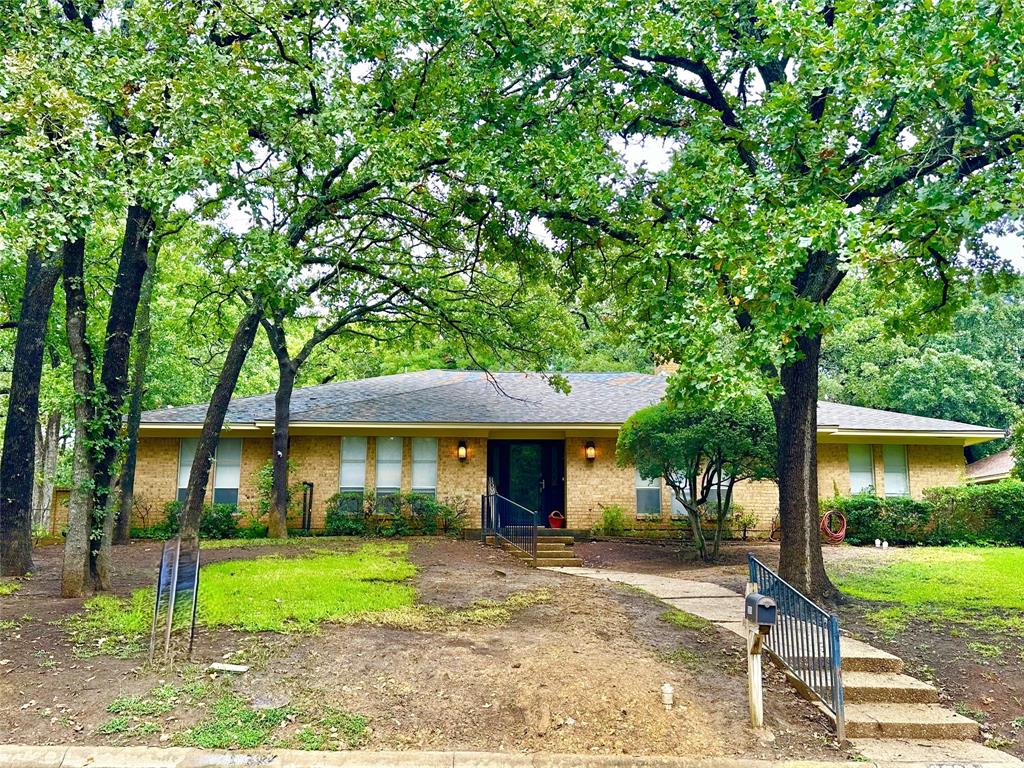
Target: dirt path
[579, 672]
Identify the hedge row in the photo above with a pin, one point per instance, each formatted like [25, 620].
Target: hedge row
[968, 514]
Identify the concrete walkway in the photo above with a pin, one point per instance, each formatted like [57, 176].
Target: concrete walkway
[17, 756]
[891, 718]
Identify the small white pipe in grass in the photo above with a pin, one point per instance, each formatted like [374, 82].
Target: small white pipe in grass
[667, 694]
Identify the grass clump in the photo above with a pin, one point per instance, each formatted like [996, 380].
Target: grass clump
[334, 729]
[9, 587]
[112, 626]
[685, 620]
[8, 624]
[234, 724]
[160, 700]
[686, 657]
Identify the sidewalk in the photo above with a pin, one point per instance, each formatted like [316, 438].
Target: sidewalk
[15, 756]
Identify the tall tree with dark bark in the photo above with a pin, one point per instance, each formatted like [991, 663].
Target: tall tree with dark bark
[17, 466]
[785, 148]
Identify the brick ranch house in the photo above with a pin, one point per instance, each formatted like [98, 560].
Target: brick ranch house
[445, 433]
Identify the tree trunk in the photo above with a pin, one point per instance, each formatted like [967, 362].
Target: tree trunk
[17, 462]
[278, 523]
[47, 444]
[124, 304]
[796, 423]
[143, 337]
[37, 477]
[199, 476]
[76, 545]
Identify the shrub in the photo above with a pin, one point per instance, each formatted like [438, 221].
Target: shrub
[218, 522]
[976, 513]
[612, 523]
[346, 515]
[969, 514]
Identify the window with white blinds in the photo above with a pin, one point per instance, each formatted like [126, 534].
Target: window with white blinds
[862, 469]
[227, 468]
[353, 465]
[424, 465]
[897, 478]
[389, 465]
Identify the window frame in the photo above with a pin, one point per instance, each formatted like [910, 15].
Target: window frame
[217, 490]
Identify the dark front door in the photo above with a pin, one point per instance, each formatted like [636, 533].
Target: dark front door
[530, 473]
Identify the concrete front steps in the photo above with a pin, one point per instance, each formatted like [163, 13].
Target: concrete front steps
[552, 552]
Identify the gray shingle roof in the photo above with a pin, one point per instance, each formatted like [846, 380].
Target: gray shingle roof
[997, 465]
[467, 397]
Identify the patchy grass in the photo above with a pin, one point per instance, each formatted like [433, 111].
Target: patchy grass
[112, 626]
[334, 729]
[966, 585]
[234, 724]
[9, 587]
[483, 613]
[8, 624]
[685, 620]
[686, 657]
[160, 700]
[297, 594]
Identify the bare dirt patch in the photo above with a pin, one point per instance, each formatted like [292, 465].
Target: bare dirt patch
[979, 673]
[579, 671]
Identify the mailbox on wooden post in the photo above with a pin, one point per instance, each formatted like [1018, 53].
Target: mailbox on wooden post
[759, 616]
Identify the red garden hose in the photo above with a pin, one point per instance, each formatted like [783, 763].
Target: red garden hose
[833, 534]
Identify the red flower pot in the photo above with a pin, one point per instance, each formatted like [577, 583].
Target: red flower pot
[556, 519]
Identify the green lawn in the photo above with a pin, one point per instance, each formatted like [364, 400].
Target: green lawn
[265, 594]
[287, 594]
[973, 585]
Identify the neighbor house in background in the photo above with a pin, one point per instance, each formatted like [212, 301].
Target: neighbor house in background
[992, 468]
[448, 433]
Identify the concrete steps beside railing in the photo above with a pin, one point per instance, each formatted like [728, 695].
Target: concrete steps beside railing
[552, 552]
[907, 721]
[886, 688]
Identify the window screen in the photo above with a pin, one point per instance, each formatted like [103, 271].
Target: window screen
[862, 469]
[894, 459]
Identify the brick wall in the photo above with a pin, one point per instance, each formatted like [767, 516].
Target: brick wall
[590, 486]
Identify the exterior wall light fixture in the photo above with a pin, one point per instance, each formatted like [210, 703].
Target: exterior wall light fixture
[590, 450]
[462, 451]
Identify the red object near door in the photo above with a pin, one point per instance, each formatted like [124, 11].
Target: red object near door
[556, 519]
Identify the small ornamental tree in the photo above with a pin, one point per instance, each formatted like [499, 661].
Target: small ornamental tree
[701, 454]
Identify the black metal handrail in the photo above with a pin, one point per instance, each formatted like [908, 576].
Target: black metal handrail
[509, 521]
[805, 640]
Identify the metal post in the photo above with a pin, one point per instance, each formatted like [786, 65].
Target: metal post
[170, 599]
[836, 660]
[156, 603]
[195, 601]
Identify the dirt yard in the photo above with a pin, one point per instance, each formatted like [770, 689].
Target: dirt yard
[979, 671]
[578, 672]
